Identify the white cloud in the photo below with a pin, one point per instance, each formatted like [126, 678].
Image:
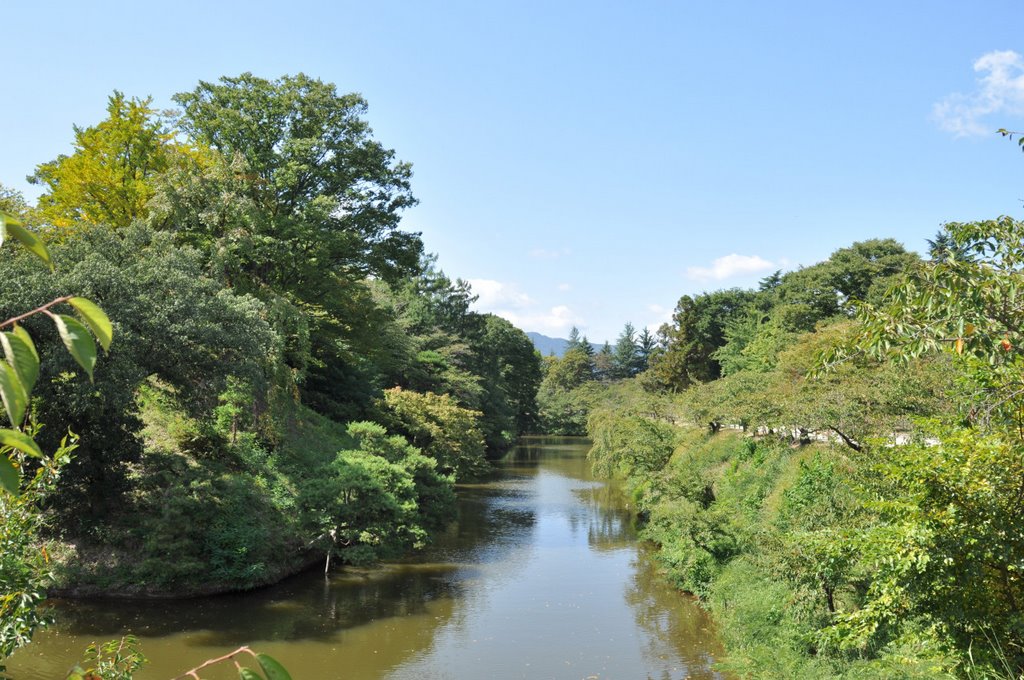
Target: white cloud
[508, 302]
[555, 321]
[493, 294]
[564, 287]
[729, 266]
[999, 91]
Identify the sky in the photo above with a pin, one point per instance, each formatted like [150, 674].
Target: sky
[587, 163]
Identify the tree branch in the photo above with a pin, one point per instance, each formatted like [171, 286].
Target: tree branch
[37, 310]
[194, 673]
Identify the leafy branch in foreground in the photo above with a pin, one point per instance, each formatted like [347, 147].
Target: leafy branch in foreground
[1009, 135]
[19, 373]
[968, 303]
[271, 669]
[113, 660]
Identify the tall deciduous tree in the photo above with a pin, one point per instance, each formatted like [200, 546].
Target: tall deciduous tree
[323, 197]
[297, 203]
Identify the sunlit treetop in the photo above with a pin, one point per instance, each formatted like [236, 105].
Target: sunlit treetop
[108, 178]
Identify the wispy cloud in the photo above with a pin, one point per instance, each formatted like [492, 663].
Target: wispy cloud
[564, 287]
[548, 254]
[728, 267]
[1000, 90]
[508, 302]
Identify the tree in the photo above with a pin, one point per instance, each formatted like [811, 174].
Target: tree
[945, 546]
[24, 569]
[626, 356]
[510, 371]
[296, 203]
[965, 306]
[173, 323]
[327, 197]
[697, 331]
[109, 178]
[859, 273]
[948, 508]
[443, 430]
[563, 397]
[13, 204]
[574, 341]
[604, 363]
[646, 344]
[377, 499]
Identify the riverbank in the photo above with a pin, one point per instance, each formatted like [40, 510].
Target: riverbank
[793, 549]
[208, 515]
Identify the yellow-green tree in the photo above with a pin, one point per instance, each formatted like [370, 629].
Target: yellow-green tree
[108, 179]
[440, 427]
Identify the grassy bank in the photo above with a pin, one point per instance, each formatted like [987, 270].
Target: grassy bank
[784, 546]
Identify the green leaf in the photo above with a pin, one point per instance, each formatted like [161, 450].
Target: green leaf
[20, 441]
[13, 393]
[29, 240]
[96, 318]
[78, 341]
[272, 669]
[248, 674]
[22, 358]
[10, 477]
[27, 339]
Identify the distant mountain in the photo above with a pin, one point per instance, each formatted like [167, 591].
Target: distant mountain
[547, 346]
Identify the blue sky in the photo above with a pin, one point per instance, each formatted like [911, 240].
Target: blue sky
[588, 163]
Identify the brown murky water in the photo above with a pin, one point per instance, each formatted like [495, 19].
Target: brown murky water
[542, 577]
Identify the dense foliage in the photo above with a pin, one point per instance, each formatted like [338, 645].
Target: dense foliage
[292, 378]
[833, 462]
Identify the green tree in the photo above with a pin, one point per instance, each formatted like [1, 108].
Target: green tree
[440, 428]
[13, 204]
[109, 178]
[859, 273]
[646, 344]
[574, 341]
[945, 547]
[965, 306]
[697, 331]
[24, 565]
[173, 322]
[326, 195]
[510, 369]
[626, 356]
[563, 399]
[604, 363]
[948, 508]
[298, 204]
[25, 568]
[377, 498]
